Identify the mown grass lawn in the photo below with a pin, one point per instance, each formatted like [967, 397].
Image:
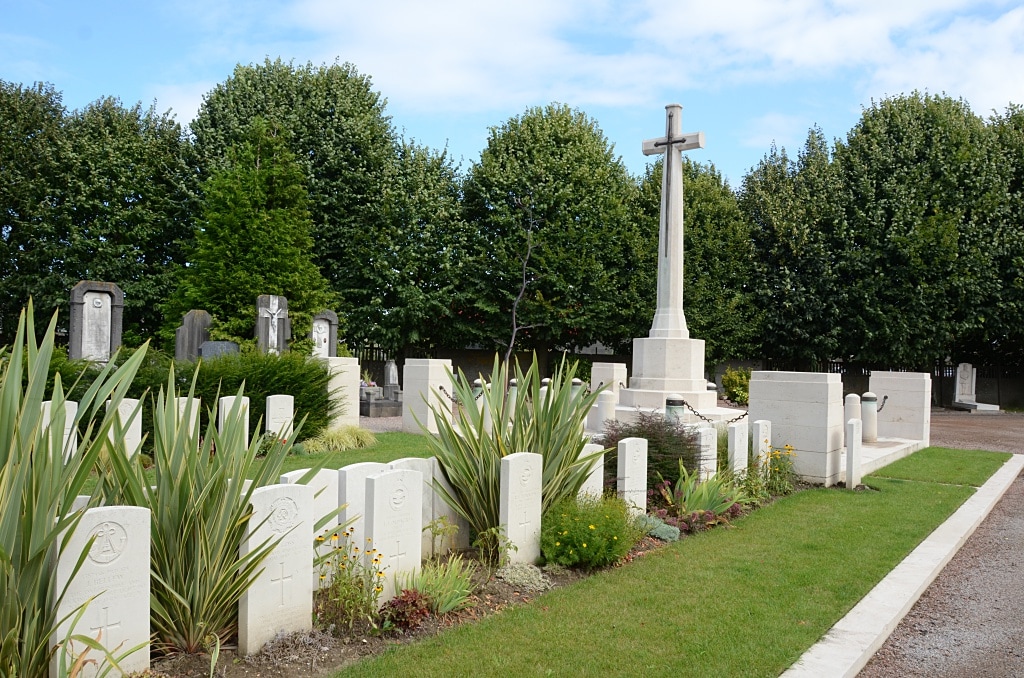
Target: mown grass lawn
[743, 601]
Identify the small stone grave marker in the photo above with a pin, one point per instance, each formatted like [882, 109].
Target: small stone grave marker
[594, 484]
[325, 334]
[115, 573]
[280, 599]
[519, 506]
[69, 437]
[393, 508]
[226, 404]
[738, 446]
[425, 467]
[325, 501]
[631, 476]
[279, 415]
[352, 497]
[129, 416]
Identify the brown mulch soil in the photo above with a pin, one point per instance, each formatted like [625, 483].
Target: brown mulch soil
[321, 654]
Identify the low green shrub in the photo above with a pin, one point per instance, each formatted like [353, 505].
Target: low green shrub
[658, 528]
[736, 384]
[447, 584]
[341, 439]
[693, 504]
[405, 612]
[588, 532]
[669, 442]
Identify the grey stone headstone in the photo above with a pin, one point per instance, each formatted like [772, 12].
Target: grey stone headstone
[273, 328]
[193, 333]
[96, 317]
[325, 334]
[212, 349]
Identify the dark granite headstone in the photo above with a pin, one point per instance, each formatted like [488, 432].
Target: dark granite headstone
[94, 330]
[212, 349]
[194, 331]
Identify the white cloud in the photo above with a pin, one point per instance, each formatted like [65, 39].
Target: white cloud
[182, 100]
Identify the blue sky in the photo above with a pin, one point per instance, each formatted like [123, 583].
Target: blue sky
[747, 73]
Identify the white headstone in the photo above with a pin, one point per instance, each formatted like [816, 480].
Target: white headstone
[129, 416]
[707, 442]
[442, 509]
[280, 415]
[190, 407]
[761, 434]
[631, 476]
[352, 497]
[280, 600]
[69, 437]
[224, 407]
[325, 501]
[116, 574]
[425, 467]
[393, 505]
[853, 455]
[519, 504]
[739, 446]
[594, 484]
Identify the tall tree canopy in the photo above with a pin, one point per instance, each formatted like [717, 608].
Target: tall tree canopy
[106, 193]
[343, 142]
[550, 202]
[253, 239]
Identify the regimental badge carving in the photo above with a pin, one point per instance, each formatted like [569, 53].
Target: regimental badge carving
[284, 515]
[398, 497]
[524, 478]
[109, 540]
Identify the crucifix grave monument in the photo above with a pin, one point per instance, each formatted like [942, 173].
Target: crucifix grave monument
[668, 361]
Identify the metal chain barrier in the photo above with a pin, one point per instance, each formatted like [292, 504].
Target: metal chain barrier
[703, 418]
[455, 400]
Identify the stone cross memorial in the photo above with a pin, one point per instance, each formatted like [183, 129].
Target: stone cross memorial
[273, 328]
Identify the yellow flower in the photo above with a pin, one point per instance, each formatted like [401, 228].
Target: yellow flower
[558, 543]
[320, 538]
[584, 544]
[334, 537]
[592, 527]
[368, 540]
[615, 538]
[380, 574]
[378, 589]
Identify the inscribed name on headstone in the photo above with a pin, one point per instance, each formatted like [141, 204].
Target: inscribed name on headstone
[325, 502]
[116, 572]
[94, 328]
[273, 328]
[227, 410]
[352, 498]
[425, 467]
[194, 330]
[519, 504]
[280, 600]
[325, 334]
[69, 434]
[631, 474]
[594, 484]
[129, 419]
[393, 505]
[279, 415]
[738, 447]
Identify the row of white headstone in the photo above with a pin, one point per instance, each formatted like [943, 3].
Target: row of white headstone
[280, 412]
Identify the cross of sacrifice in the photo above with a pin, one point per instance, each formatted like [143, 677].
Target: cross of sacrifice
[105, 626]
[669, 320]
[284, 580]
[274, 313]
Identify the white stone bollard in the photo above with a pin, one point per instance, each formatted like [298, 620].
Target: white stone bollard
[869, 417]
[851, 410]
[674, 408]
[853, 434]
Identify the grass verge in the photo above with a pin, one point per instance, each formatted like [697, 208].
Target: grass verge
[745, 601]
[945, 465]
[389, 446]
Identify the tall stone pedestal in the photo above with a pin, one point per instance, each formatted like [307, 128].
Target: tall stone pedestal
[663, 366]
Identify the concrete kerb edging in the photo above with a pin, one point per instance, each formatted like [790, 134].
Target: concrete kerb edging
[850, 644]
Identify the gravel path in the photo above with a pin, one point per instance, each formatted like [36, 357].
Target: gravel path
[969, 622]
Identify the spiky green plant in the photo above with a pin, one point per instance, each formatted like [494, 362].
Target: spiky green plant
[469, 448]
[37, 488]
[200, 509]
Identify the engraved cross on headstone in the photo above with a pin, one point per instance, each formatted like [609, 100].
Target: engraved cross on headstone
[669, 320]
[397, 557]
[284, 580]
[105, 626]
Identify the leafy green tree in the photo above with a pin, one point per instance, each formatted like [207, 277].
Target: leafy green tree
[106, 193]
[924, 201]
[1006, 346]
[550, 202]
[134, 187]
[343, 142]
[253, 239]
[718, 273]
[33, 234]
[415, 269]
[791, 208]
